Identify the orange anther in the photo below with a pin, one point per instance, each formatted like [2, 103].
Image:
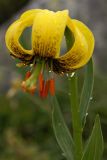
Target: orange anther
[41, 83]
[41, 92]
[32, 89]
[46, 88]
[52, 86]
[28, 74]
[23, 85]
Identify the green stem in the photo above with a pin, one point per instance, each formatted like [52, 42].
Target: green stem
[76, 123]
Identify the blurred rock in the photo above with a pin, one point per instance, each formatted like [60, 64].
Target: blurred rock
[8, 8]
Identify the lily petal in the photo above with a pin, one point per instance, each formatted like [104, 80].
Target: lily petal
[81, 51]
[47, 32]
[29, 13]
[14, 32]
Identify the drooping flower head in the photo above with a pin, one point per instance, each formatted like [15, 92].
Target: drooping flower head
[48, 29]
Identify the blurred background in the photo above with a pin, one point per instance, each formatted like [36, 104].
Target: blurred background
[25, 121]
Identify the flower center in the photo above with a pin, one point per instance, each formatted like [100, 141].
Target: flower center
[42, 73]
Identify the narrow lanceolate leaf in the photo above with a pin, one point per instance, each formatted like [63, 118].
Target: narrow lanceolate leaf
[94, 148]
[62, 133]
[86, 91]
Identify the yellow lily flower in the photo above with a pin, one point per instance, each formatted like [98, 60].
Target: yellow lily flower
[47, 32]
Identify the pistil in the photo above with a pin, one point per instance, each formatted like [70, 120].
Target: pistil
[29, 84]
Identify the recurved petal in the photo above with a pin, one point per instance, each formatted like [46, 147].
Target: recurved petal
[30, 13]
[80, 52]
[12, 38]
[47, 33]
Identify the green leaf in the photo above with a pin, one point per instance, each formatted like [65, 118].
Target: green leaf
[69, 38]
[86, 91]
[94, 148]
[61, 131]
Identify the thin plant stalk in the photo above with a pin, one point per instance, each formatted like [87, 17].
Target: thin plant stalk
[76, 123]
